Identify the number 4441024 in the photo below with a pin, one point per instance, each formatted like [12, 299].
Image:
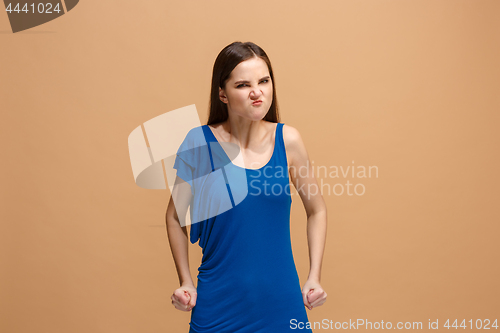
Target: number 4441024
[484, 324]
[40, 8]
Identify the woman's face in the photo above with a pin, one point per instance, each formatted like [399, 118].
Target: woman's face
[248, 83]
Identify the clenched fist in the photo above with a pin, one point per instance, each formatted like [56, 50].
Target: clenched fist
[184, 298]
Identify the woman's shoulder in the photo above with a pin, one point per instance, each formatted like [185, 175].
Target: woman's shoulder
[291, 135]
[294, 145]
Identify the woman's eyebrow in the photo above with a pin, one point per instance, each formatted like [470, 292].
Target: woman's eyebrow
[245, 81]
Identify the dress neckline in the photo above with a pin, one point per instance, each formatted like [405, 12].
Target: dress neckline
[230, 161]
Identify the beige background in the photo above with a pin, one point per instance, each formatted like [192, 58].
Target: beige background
[411, 87]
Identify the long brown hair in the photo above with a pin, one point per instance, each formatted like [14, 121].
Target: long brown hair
[226, 61]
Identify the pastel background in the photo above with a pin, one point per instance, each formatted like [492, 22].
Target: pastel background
[411, 87]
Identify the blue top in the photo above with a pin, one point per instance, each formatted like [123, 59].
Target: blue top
[247, 280]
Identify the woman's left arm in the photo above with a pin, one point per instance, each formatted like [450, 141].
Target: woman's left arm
[302, 177]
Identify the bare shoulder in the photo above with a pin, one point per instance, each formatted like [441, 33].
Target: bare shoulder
[294, 145]
[290, 134]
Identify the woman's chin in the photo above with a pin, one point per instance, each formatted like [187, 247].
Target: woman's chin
[260, 114]
[255, 114]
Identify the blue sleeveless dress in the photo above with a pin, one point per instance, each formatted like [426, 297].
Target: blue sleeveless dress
[247, 280]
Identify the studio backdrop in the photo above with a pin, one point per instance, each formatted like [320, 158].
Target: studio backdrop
[397, 103]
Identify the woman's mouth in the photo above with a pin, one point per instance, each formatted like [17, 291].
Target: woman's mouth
[259, 102]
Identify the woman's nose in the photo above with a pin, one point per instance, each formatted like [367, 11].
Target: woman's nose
[256, 92]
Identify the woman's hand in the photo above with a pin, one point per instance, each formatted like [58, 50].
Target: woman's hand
[184, 297]
[313, 294]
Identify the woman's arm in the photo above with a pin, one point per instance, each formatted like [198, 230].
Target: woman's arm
[302, 177]
[184, 298]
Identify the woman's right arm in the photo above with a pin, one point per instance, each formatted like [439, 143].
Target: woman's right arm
[183, 298]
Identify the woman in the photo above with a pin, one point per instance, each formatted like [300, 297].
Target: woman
[247, 280]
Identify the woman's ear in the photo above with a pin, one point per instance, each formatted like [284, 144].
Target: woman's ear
[222, 95]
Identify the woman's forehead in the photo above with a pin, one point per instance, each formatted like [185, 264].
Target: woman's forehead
[254, 68]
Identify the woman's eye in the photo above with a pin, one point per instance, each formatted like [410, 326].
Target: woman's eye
[244, 84]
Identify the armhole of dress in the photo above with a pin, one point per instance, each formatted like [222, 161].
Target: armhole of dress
[282, 143]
